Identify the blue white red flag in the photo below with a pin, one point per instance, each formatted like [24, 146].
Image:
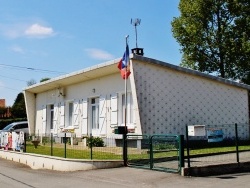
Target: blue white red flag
[123, 64]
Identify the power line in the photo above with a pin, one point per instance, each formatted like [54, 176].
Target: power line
[9, 88]
[13, 78]
[30, 69]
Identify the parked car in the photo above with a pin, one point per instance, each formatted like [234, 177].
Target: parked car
[16, 127]
[11, 137]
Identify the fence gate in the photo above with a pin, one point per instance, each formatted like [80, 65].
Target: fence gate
[156, 152]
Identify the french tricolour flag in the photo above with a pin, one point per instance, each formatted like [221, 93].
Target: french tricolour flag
[123, 64]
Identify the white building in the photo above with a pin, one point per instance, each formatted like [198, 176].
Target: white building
[162, 99]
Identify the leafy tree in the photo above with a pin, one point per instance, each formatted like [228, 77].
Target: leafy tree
[215, 36]
[18, 109]
[246, 79]
[31, 82]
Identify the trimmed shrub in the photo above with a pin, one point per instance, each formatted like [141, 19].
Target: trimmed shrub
[95, 142]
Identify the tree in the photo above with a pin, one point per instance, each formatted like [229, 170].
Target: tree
[31, 82]
[44, 79]
[18, 109]
[215, 36]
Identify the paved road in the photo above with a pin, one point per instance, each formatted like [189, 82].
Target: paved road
[15, 175]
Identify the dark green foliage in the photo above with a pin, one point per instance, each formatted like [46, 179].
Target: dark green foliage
[164, 146]
[95, 142]
[215, 36]
[44, 79]
[18, 109]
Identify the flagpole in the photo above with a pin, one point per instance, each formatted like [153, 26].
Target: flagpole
[125, 114]
[125, 152]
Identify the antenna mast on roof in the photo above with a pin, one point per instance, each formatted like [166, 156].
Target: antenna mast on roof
[136, 22]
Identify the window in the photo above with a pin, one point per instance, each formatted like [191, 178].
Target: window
[51, 115]
[95, 113]
[71, 114]
[24, 125]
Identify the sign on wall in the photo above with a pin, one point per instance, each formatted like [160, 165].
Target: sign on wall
[196, 130]
[215, 135]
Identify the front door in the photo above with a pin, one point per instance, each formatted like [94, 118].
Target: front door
[95, 116]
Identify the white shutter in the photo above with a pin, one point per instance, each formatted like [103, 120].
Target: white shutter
[76, 114]
[62, 115]
[84, 117]
[44, 113]
[114, 109]
[102, 116]
[55, 120]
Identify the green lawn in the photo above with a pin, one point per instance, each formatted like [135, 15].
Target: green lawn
[73, 153]
[114, 154]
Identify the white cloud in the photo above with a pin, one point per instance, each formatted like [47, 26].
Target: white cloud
[99, 54]
[18, 30]
[17, 49]
[37, 30]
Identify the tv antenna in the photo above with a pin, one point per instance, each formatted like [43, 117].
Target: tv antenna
[136, 22]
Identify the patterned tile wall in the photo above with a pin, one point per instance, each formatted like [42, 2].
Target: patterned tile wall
[169, 100]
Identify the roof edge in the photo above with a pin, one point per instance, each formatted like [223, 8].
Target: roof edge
[189, 71]
[107, 63]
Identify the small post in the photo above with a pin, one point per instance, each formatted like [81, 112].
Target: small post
[51, 144]
[24, 144]
[91, 149]
[125, 148]
[237, 143]
[181, 151]
[151, 152]
[188, 157]
[65, 149]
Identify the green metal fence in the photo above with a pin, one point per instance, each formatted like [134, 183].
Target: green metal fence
[222, 144]
[156, 152]
[68, 147]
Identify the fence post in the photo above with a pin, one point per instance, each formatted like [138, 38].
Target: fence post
[65, 149]
[188, 157]
[181, 151]
[91, 146]
[151, 152]
[24, 144]
[236, 143]
[125, 149]
[51, 144]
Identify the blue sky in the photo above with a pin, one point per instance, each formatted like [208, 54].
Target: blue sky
[48, 38]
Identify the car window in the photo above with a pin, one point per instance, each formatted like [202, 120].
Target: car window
[22, 126]
[15, 127]
[7, 127]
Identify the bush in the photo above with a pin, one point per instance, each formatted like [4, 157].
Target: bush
[95, 142]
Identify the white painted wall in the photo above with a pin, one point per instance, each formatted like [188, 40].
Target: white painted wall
[104, 87]
[169, 100]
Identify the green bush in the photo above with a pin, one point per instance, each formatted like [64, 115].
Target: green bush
[164, 146]
[95, 142]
